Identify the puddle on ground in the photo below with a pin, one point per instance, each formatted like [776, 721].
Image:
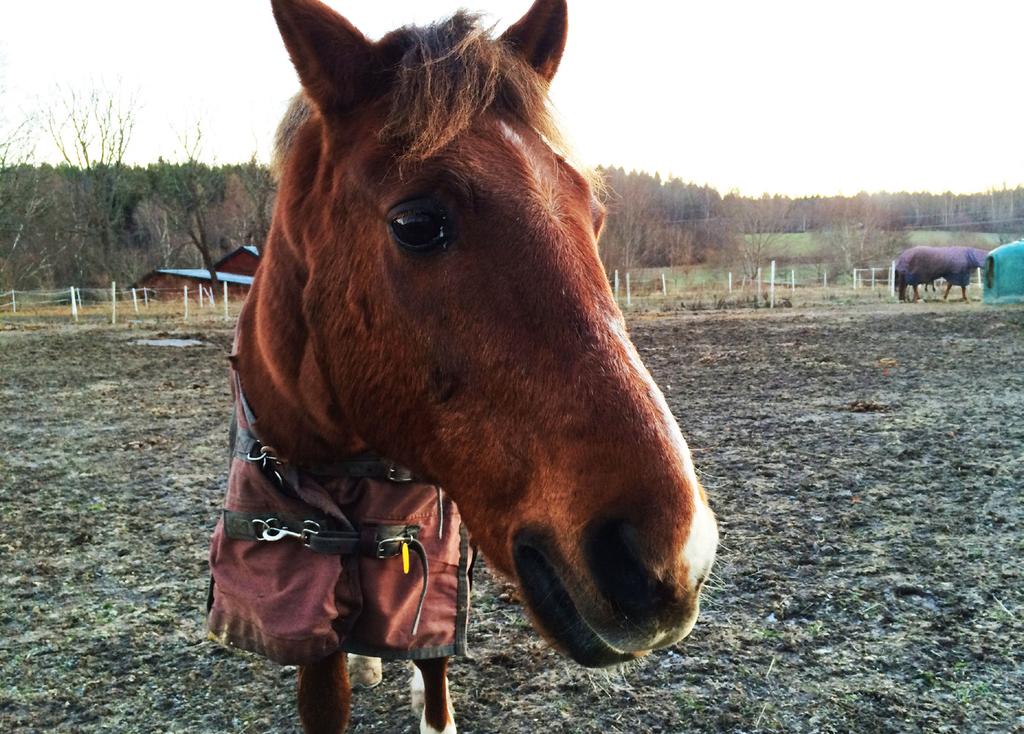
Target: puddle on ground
[170, 342]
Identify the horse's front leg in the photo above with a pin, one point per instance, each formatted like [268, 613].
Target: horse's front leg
[429, 691]
[963, 288]
[324, 695]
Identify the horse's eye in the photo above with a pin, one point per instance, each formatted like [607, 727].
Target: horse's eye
[420, 226]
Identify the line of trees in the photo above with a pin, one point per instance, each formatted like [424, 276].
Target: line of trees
[93, 218]
[656, 223]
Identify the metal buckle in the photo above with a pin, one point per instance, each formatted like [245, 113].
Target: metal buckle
[408, 534]
[398, 473]
[382, 552]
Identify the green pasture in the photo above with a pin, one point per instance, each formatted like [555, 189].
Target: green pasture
[806, 244]
[940, 238]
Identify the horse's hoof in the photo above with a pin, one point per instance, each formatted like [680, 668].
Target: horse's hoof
[426, 728]
[364, 672]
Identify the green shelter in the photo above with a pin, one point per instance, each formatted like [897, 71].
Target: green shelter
[1004, 274]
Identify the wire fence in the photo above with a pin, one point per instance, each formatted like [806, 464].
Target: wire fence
[647, 289]
[115, 305]
[773, 286]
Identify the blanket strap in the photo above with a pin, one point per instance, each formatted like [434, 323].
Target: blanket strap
[272, 527]
[375, 541]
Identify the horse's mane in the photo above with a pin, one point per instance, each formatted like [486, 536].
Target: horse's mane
[450, 73]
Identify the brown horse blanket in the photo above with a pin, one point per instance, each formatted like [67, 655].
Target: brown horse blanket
[924, 264]
[305, 568]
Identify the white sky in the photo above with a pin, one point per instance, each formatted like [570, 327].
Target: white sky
[784, 96]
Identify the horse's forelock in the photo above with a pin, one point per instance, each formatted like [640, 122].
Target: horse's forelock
[451, 72]
[447, 75]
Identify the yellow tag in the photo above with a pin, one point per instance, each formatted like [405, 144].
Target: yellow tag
[405, 558]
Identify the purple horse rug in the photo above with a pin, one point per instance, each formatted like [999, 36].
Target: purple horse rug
[924, 264]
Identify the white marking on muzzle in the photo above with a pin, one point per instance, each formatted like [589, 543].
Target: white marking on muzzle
[702, 542]
[702, 539]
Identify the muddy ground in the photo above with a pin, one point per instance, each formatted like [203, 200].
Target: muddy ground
[866, 465]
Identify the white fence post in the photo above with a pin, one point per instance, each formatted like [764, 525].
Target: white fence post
[771, 288]
[730, 281]
[664, 285]
[185, 298]
[824, 279]
[792, 281]
[226, 315]
[892, 279]
[74, 306]
[135, 301]
[759, 284]
[80, 304]
[113, 302]
[14, 302]
[873, 278]
[980, 286]
[616, 285]
[145, 297]
[200, 296]
[629, 294]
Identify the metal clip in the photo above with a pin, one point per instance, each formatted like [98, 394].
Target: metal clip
[262, 457]
[269, 531]
[267, 462]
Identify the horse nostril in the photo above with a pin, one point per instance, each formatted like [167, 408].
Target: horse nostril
[620, 573]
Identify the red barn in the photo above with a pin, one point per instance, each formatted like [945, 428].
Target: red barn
[242, 261]
[236, 269]
[175, 279]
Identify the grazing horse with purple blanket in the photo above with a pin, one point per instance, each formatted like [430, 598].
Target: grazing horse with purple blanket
[924, 264]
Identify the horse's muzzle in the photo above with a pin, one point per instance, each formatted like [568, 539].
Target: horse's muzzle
[612, 611]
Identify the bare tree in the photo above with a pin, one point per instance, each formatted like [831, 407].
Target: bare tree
[91, 131]
[261, 190]
[630, 218]
[92, 128]
[761, 224]
[153, 217]
[190, 193]
[860, 233]
[22, 201]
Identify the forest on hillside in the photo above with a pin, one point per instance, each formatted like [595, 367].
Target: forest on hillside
[94, 218]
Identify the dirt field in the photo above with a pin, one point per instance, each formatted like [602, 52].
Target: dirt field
[866, 465]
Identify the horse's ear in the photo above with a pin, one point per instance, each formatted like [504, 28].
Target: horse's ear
[540, 35]
[335, 62]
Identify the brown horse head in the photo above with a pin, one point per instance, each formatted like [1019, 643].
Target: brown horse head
[432, 291]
